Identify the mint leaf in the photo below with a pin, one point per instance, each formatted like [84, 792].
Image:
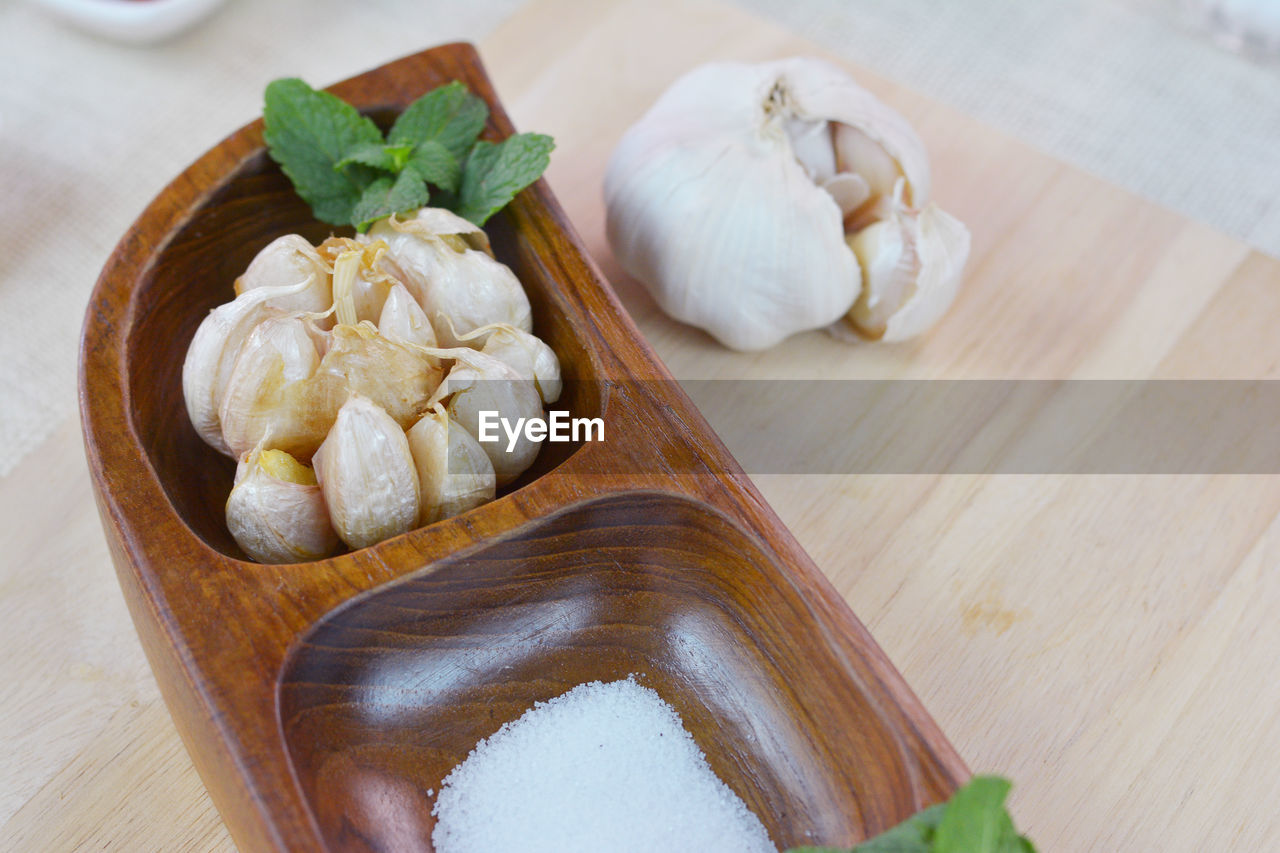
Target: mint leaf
[436, 164]
[976, 821]
[493, 174]
[386, 196]
[913, 835]
[387, 158]
[308, 133]
[340, 164]
[449, 115]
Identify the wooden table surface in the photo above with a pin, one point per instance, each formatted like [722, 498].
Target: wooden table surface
[1108, 641]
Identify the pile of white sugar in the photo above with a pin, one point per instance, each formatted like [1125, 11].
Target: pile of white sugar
[605, 768]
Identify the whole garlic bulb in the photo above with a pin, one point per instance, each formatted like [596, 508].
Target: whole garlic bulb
[276, 512]
[731, 198]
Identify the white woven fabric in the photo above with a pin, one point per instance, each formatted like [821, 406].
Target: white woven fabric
[90, 131]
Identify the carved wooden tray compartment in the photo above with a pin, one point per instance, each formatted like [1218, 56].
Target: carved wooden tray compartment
[322, 701]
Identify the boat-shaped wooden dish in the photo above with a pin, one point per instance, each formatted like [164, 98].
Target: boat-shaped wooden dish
[323, 702]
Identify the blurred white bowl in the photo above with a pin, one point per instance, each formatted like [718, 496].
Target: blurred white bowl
[135, 21]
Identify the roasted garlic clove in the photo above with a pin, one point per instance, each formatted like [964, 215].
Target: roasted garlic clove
[212, 353]
[286, 261]
[397, 376]
[444, 262]
[276, 512]
[268, 395]
[454, 472]
[481, 383]
[367, 475]
[360, 286]
[525, 353]
[403, 320]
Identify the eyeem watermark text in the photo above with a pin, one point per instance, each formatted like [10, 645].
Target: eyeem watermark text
[557, 426]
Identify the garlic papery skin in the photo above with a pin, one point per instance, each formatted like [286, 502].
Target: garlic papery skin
[710, 208]
[528, 356]
[443, 260]
[454, 472]
[267, 394]
[481, 383]
[402, 319]
[397, 376]
[525, 353]
[360, 287]
[276, 512]
[288, 260]
[912, 264]
[211, 355]
[367, 475]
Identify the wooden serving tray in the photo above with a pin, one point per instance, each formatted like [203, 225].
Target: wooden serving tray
[322, 701]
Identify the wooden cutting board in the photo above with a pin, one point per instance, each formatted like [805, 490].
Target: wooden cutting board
[1106, 641]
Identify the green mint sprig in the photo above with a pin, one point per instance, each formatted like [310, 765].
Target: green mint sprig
[974, 820]
[341, 165]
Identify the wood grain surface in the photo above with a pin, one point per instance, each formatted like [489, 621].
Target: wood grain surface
[1107, 641]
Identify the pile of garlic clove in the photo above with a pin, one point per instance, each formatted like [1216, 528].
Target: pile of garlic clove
[346, 380]
[760, 200]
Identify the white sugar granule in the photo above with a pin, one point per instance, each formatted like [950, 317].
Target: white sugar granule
[604, 768]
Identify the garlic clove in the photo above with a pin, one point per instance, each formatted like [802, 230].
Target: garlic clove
[525, 353]
[912, 263]
[529, 356]
[212, 353]
[859, 155]
[360, 285]
[454, 472]
[943, 249]
[397, 376]
[403, 320]
[276, 512]
[447, 269]
[431, 223]
[367, 475]
[481, 383]
[267, 398]
[870, 137]
[288, 260]
[812, 144]
[849, 190]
